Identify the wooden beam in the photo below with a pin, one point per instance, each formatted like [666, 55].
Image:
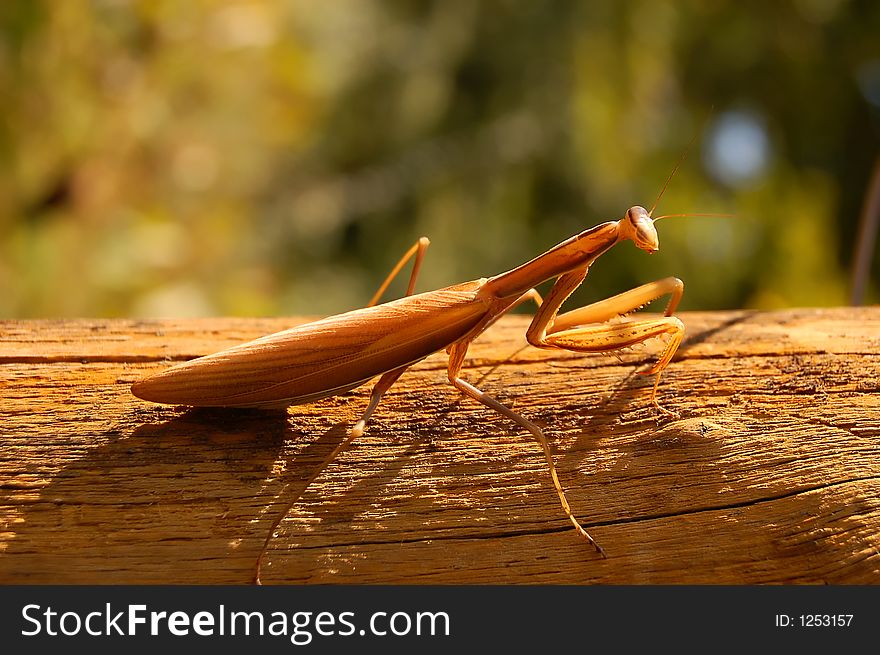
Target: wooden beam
[769, 473]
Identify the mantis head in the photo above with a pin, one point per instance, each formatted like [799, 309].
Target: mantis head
[639, 226]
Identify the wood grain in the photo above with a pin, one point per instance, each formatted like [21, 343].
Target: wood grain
[769, 473]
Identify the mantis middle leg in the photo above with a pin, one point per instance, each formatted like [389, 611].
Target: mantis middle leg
[456, 359]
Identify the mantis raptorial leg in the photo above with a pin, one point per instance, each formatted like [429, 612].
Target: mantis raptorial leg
[584, 329]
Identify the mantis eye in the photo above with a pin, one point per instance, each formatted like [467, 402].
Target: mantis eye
[637, 215]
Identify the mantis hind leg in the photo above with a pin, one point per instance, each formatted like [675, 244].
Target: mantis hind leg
[383, 385]
[456, 360]
[379, 389]
[417, 250]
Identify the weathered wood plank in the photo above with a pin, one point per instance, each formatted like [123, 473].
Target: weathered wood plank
[769, 473]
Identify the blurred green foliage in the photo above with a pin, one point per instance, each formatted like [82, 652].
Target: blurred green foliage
[253, 158]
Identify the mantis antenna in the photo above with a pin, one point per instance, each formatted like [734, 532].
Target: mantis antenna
[672, 174]
[675, 170]
[700, 214]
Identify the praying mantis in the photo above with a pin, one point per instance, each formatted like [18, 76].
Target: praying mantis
[336, 354]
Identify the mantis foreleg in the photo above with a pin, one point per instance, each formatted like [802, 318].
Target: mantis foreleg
[586, 329]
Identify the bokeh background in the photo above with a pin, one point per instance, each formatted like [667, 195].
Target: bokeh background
[163, 158]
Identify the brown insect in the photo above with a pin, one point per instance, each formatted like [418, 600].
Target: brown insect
[339, 353]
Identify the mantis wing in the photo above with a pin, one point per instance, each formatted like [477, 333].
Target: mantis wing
[322, 358]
